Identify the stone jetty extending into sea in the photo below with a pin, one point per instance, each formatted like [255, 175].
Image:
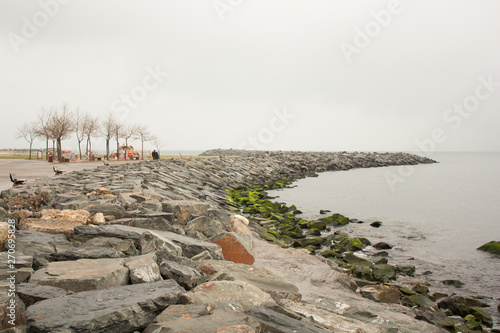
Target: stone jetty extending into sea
[157, 246]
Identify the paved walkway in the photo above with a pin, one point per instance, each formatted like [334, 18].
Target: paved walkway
[36, 169]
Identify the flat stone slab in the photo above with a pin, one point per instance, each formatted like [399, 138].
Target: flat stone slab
[231, 295]
[261, 278]
[83, 274]
[227, 321]
[273, 321]
[182, 209]
[186, 276]
[87, 253]
[31, 293]
[115, 310]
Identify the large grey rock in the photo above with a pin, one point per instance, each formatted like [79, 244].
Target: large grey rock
[107, 209]
[32, 293]
[207, 226]
[83, 274]
[21, 260]
[151, 241]
[185, 209]
[190, 247]
[37, 244]
[261, 278]
[231, 295]
[18, 316]
[114, 310]
[223, 321]
[273, 321]
[22, 274]
[186, 276]
[143, 269]
[153, 223]
[87, 253]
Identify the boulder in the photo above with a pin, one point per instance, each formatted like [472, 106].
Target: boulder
[261, 278]
[4, 233]
[230, 295]
[87, 253]
[31, 293]
[186, 276]
[98, 219]
[239, 224]
[107, 209]
[185, 209]
[381, 294]
[80, 216]
[152, 223]
[492, 247]
[83, 274]
[115, 310]
[382, 272]
[12, 309]
[49, 226]
[420, 301]
[236, 247]
[22, 274]
[21, 260]
[220, 321]
[207, 226]
[382, 246]
[151, 241]
[272, 321]
[456, 304]
[143, 269]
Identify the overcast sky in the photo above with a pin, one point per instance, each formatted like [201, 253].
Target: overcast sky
[322, 75]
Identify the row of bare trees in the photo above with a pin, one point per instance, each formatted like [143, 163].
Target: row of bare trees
[58, 124]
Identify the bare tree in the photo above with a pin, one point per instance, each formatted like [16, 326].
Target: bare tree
[108, 130]
[91, 127]
[44, 117]
[117, 130]
[29, 131]
[143, 134]
[61, 126]
[79, 129]
[128, 132]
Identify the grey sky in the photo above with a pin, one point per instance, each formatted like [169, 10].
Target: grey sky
[229, 78]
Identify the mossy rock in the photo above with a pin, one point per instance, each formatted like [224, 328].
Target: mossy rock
[384, 273]
[361, 271]
[303, 224]
[336, 220]
[354, 259]
[321, 225]
[482, 316]
[472, 323]
[314, 232]
[408, 270]
[306, 242]
[406, 291]
[452, 324]
[330, 254]
[292, 234]
[420, 301]
[350, 244]
[492, 247]
[420, 288]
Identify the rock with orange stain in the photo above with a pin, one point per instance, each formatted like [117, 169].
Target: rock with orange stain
[183, 209]
[236, 247]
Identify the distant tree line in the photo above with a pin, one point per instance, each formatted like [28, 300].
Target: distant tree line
[58, 124]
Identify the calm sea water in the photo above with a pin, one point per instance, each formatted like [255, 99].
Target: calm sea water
[436, 217]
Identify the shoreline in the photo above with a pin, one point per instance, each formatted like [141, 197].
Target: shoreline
[206, 181]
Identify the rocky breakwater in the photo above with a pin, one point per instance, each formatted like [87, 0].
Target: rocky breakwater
[150, 247]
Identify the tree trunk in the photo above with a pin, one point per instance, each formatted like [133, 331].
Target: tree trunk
[142, 152]
[31, 144]
[126, 148]
[47, 148]
[117, 147]
[59, 149]
[107, 149]
[80, 149]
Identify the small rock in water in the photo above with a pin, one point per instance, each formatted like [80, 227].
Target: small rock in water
[382, 246]
[455, 283]
[376, 224]
[324, 211]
